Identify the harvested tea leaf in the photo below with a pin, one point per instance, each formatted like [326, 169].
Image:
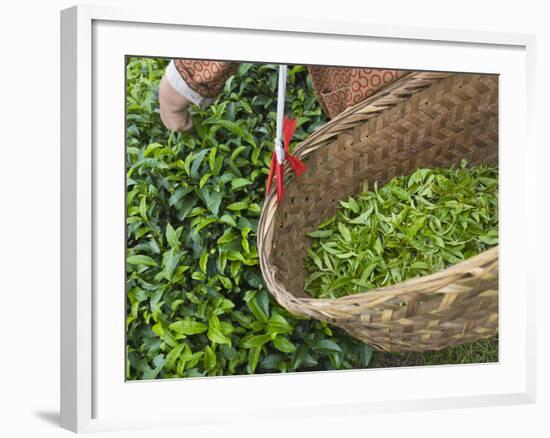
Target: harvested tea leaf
[413, 226]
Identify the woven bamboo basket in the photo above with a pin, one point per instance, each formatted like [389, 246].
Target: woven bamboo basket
[422, 120]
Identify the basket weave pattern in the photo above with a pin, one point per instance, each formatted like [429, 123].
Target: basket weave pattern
[423, 120]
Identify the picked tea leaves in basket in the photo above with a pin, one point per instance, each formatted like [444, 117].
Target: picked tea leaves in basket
[412, 226]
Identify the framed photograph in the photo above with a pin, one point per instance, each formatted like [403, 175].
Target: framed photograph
[326, 217]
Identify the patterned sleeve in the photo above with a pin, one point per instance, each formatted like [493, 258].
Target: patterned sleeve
[199, 81]
[339, 88]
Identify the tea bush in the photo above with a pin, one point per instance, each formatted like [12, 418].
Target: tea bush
[196, 301]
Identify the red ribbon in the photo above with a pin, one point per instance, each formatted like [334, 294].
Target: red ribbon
[289, 126]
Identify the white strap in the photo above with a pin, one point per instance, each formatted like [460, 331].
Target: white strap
[279, 150]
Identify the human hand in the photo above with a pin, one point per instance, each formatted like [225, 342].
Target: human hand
[174, 108]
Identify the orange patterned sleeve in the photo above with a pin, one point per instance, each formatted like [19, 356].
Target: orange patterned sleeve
[338, 88]
[206, 78]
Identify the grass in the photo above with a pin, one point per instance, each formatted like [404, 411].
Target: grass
[476, 352]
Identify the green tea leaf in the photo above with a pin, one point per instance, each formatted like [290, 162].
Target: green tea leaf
[283, 344]
[173, 356]
[237, 206]
[217, 337]
[203, 261]
[188, 327]
[169, 263]
[253, 358]
[172, 237]
[210, 358]
[256, 341]
[141, 260]
[327, 346]
[237, 183]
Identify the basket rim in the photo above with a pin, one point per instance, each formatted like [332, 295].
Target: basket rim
[401, 89]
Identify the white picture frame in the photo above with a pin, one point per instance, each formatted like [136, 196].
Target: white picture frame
[92, 392]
